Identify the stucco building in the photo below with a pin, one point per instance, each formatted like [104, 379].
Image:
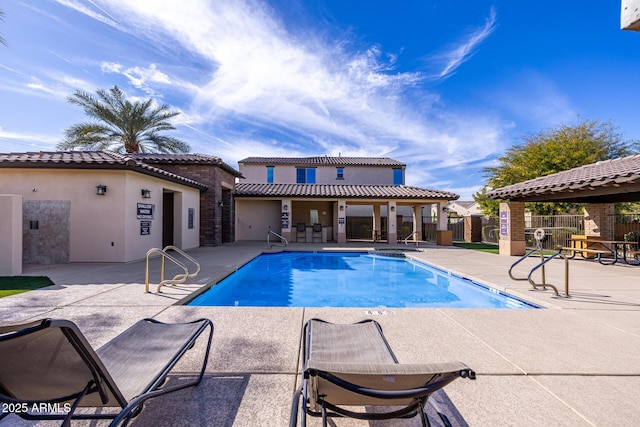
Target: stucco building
[309, 199]
[99, 206]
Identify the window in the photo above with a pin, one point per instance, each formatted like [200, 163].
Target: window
[269, 174]
[305, 175]
[339, 173]
[397, 177]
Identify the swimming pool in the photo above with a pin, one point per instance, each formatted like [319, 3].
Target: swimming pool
[349, 279]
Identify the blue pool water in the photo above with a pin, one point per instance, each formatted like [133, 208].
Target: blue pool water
[349, 279]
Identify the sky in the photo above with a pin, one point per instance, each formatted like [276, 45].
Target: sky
[445, 87]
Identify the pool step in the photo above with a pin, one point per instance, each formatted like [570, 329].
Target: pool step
[394, 253]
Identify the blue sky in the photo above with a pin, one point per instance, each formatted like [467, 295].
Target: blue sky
[443, 86]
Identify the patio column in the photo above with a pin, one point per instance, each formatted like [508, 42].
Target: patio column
[392, 230]
[599, 220]
[342, 222]
[417, 221]
[285, 215]
[444, 237]
[377, 223]
[512, 229]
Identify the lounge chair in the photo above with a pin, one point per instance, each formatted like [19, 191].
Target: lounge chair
[49, 362]
[353, 365]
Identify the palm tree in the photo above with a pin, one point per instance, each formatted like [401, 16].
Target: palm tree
[122, 126]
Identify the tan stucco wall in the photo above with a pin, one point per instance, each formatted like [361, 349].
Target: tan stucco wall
[253, 218]
[285, 174]
[105, 228]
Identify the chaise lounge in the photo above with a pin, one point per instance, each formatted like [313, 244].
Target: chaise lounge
[49, 362]
[353, 365]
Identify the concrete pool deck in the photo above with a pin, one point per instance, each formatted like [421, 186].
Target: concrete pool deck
[575, 363]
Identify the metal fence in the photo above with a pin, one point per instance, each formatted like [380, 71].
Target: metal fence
[558, 229]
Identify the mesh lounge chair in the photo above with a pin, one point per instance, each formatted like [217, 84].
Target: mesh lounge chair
[353, 365]
[50, 362]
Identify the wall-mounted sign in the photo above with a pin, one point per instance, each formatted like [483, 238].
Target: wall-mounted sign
[192, 213]
[145, 228]
[145, 211]
[285, 220]
[504, 223]
[340, 221]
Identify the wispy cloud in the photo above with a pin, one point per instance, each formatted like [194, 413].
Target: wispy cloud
[266, 89]
[94, 12]
[141, 77]
[457, 54]
[17, 141]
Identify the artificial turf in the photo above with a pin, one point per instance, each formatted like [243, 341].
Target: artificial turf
[11, 285]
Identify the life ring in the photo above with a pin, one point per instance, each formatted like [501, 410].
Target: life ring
[538, 234]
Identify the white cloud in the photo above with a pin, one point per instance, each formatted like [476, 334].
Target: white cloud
[461, 52]
[319, 95]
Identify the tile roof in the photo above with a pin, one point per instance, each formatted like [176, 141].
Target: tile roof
[190, 159]
[609, 176]
[340, 191]
[323, 160]
[89, 160]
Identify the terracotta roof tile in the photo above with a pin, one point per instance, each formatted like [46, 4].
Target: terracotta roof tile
[192, 158]
[89, 160]
[340, 191]
[601, 174]
[323, 160]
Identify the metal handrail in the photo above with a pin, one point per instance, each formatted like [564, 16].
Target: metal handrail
[286, 242]
[179, 278]
[543, 285]
[406, 239]
[542, 263]
[184, 254]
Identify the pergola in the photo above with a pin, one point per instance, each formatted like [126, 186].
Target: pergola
[598, 185]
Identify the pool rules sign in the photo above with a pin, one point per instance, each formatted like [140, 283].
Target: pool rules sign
[144, 212]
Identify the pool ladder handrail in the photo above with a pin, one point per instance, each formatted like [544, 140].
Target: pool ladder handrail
[545, 260]
[179, 278]
[415, 233]
[269, 245]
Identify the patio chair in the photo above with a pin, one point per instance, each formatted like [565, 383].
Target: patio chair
[317, 233]
[49, 363]
[301, 232]
[353, 365]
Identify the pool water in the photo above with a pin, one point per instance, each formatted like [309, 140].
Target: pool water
[349, 279]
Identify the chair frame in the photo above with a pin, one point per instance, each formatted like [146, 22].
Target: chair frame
[102, 379]
[419, 394]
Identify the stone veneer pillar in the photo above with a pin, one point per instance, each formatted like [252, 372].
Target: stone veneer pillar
[599, 220]
[473, 228]
[512, 240]
[11, 231]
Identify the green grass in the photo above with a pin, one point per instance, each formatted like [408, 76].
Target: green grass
[11, 285]
[483, 247]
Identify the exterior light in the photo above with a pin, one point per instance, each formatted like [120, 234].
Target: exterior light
[393, 208]
[221, 203]
[146, 194]
[285, 207]
[341, 208]
[101, 190]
